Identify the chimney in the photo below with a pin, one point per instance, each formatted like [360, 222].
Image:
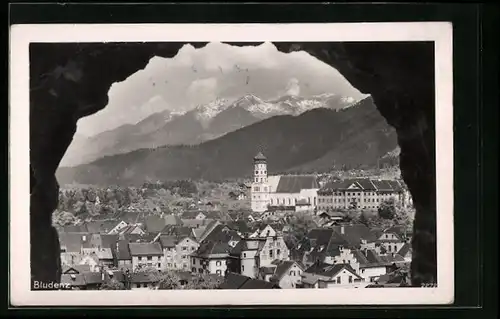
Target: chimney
[342, 229]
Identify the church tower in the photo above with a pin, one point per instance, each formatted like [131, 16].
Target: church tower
[260, 188]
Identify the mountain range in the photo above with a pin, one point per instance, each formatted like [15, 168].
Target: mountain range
[203, 123]
[316, 140]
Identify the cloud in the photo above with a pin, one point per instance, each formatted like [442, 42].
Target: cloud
[202, 90]
[293, 87]
[197, 76]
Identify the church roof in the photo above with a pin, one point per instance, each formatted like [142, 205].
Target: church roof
[259, 156]
[295, 183]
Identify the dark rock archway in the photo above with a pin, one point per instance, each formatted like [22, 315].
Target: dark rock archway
[70, 81]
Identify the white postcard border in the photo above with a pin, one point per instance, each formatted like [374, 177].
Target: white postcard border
[22, 35]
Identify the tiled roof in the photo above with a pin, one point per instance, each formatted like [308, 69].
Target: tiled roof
[211, 248]
[168, 241]
[79, 268]
[141, 277]
[72, 241]
[328, 270]
[195, 223]
[74, 280]
[295, 183]
[354, 234]
[145, 249]
[197, 232]
[154, 224]
[222, 233]
[105, 253]
[191, 214]
[237, 281]
[102, 226]
[108, 241]
[123, 252]
[404, 250]
[260, 156]
[282, 268]
[172, 220]
[93, 278]
[75, 228]
[362, 183]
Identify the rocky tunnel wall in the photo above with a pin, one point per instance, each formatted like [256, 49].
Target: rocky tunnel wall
[69, 81]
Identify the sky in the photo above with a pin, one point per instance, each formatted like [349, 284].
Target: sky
[199, 76]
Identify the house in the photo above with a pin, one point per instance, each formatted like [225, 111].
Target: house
[391, 240]
[401, 231]
[177, 251]
[241, 227]
[331, 216]
[405, 252]
[319, 245]
[133, 229]
[211, 257]
[237, 281]
[357, 235]
[142, 281]
[237, 195]
[367, 262]
[222, 233]
[303, 205]
[209, 228]
[146, 255]
[74, 278]
[71, 247]
[121, 254]
[193, 214]
[212, 205]
[154, 223]
[285, 190]
[286, 273]
[196, 223]
[322, 275]
[92, 261]
[105, 256]
[172, 219]
[251, 254]
[362, 193]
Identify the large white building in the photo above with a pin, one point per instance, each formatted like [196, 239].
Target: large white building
[281, 190]
[362, 193]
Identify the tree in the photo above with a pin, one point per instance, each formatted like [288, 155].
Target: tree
[203, 281]
[62, 218]
[112, 284]
[387, 209]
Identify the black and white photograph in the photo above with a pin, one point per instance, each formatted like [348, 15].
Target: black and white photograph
[232, 164]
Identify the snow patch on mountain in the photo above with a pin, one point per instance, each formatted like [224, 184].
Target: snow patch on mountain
[206, 112]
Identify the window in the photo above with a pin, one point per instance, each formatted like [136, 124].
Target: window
[193, 248]
[278, 252]
[292, 273]
[256, 188]
[386, 236]
[389, 247]
[218, 263]
[169, 264]
[193, 269]
[339, 280]
[350, 279]
[256, 172]
[270, 254]
[244, 255]
[242, 268]
[218, 272]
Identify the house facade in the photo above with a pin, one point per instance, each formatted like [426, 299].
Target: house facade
[363, 193]
[211, 258]
[326, 276]
[146, 255]
[177, 251]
